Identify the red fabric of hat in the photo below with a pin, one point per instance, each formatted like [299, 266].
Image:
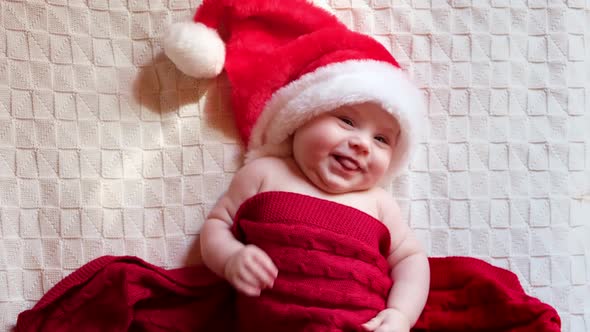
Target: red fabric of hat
[288, 61]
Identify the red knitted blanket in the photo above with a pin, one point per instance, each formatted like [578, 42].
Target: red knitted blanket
[332, 277]
[333, 272]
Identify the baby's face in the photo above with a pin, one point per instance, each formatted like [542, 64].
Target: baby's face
[348, 149]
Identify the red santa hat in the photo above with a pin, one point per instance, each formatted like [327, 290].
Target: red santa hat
[288, 61]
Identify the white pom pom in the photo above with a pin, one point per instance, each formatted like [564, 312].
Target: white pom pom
[195, 49]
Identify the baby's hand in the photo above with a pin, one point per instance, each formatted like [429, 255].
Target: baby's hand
[389, 320]
[250, 270]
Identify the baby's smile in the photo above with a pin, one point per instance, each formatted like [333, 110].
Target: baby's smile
[348, 163]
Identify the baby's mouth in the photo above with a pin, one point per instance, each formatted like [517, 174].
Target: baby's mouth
[347, 163]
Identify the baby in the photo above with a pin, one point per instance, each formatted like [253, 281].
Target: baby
[339, 156]
[304, 232]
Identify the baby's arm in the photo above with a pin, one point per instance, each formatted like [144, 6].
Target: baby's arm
[246, 267]
[410, 272]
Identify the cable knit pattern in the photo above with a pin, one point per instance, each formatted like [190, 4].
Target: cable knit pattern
[333, 272]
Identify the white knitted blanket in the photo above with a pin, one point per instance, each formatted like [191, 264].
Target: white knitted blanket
[106, 149]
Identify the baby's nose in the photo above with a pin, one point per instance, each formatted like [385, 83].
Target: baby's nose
[359, 144]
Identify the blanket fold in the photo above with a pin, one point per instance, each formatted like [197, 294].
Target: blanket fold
[314, 243]
[128, 294]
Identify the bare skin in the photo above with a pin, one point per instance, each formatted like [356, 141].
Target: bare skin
[351, 153]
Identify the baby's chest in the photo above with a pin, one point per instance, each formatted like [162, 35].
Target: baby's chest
[287, 181]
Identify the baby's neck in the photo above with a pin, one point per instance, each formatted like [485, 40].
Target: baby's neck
[287, 176]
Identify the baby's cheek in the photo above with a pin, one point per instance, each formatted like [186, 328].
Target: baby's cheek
[387, 159]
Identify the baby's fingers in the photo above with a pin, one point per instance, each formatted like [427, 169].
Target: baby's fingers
[386, 328]
[389, 320]
[374, 323]
[247, 288]
[263, 279]
[264, 268]
[266, 262]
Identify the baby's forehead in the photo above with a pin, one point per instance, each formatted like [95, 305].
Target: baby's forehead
[362, 108]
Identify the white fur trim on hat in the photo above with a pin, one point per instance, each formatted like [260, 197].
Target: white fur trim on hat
[195, 49]
[336, 85]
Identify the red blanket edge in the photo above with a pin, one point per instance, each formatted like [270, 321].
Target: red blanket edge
[463, 278]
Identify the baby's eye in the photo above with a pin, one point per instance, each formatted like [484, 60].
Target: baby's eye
[382, 139]
[346, 120]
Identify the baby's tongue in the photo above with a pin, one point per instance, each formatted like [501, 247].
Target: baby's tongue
[347, 163]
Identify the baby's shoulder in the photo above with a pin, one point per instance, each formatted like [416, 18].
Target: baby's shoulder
[272, 166]
[250, 180]
[266, 170]
[262, 166]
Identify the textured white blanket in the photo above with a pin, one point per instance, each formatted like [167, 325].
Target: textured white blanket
[105, 148]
